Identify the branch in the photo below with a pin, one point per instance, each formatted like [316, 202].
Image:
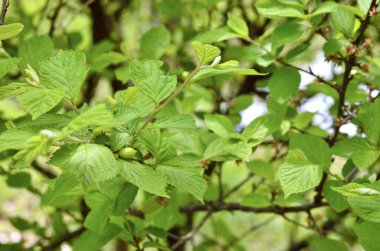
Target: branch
[237, 207]
[65, 238]
[4, 9]
[349, 63]
[54, 17]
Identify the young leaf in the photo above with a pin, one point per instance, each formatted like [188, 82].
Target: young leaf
[6, 65]
[175, 121]
[91, 160]
[205, 52]
[286, 33]
[66, 69]
[343, 21]
[284, 84]
[189, 179]
[238, 25]
[368, 234]
[34, 50]
[213, 71]
[145, 177]
[8, 31]
[297, 174]
[219, 124]
[315, 149]
[154, 42]
[151, 81]
[93, 241]
[98, 115]
[217, 35]
[38, 101]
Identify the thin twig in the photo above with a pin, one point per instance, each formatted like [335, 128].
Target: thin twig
[165, 103]
[191, 234]
[4, 10]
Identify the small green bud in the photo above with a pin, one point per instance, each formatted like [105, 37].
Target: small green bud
[110, 100]
[127, 153]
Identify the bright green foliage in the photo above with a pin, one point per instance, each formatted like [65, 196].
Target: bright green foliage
[190, 125]
[237, 25]
[205, 52]
[38, 101]
[154, 42]
[145, 177]
[327, 244]
[367, 233]
[35, 50]
[151, 81]
[297, 174]
[66, 69]
[284, 84]
[10, 30]
[91, 161]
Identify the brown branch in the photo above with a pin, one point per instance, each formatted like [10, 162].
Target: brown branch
[65, 238]
[54, 17]
[237, 207]
[349, 64]
[4, 10]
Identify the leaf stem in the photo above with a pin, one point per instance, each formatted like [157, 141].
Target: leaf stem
[165, 103]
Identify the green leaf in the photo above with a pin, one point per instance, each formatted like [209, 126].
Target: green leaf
[322, 244]
[333, 46]
[92, 241]
[15, 138]
[154, 42]
[38, 101]
[366, 208]
[91, 160]
[145, 177]
[315, 148]
[238, 25]
[102, 61]
[219, 124]
[370, 118]
[35, 146]
[297, 174]
[157, 144]
[98, 115]
[19, 180]
[128, 96]
[189, 179]
[343, 21]
[205, 52]
[286, 33]
[262, 169]
[222, 150]
[67, 69]
[212, 72]
[6, 65]
[284, 84]
[336, 200]
[278, 8]
[358, 190]
[362, 153]
[175, 121]
[217, 35]
[368, 234]
[13, 89]
[8, 31]
[262, 127]
[34, 50]
[151, 81]
[101, 208]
